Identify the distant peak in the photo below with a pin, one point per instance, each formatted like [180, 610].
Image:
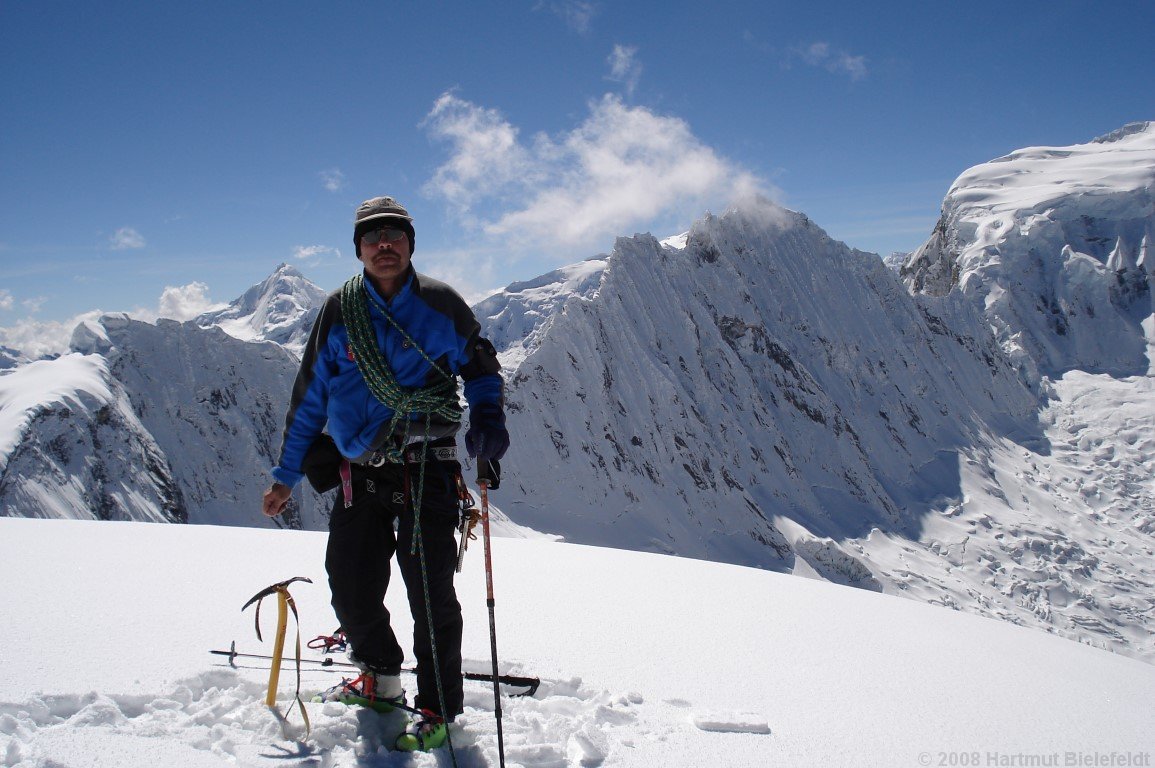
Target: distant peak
[284, 268]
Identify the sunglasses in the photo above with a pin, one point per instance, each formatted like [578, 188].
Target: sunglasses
[389, 235]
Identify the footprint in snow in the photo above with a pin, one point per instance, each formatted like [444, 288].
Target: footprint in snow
[219, 718]
[731, 722]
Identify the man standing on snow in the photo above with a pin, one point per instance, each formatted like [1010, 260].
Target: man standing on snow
[380, 370]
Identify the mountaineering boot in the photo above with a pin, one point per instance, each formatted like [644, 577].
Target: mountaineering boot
[387, 687]
[423, 736]
[378, 692]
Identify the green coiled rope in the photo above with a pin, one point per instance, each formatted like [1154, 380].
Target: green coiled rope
[437, 399]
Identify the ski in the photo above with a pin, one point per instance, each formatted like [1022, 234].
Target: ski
[529, 683]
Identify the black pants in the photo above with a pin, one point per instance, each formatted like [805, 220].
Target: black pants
[362, 542]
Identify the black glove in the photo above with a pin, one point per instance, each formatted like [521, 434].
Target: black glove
[487, 438]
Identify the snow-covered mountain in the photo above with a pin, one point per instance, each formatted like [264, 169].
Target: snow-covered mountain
[148, 422]
[11, 358]
[74, 448]
[762, 371]
[1053, 245]
[516, 318]
[750, 391]
[768, 396]
[281, 309]
[765, 395]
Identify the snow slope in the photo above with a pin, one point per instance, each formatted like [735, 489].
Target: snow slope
[1059, 537]
[645, 660]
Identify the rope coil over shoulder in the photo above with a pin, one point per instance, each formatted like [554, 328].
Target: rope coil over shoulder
[437, 399]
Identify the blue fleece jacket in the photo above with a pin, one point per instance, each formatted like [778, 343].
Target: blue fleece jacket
[330, 392]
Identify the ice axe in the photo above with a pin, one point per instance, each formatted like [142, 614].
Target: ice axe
[284, 603]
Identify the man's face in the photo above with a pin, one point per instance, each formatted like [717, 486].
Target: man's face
[387, 259]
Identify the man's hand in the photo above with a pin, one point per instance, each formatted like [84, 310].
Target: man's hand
[487, 438]
[275, 499]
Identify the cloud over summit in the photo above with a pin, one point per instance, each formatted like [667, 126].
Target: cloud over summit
[622, 168]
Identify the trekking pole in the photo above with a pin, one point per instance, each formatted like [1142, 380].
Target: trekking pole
[531, 684]
[484, 479]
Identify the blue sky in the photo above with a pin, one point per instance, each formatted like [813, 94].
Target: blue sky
[158, 157]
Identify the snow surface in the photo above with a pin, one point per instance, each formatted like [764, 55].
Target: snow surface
[1038, 177]
[645, 660]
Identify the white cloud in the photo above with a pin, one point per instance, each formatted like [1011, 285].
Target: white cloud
[126, 238]
[486, 155]
[38, 339]
[5, 299]
[315, 254]
[624, 67]
[333, 180]
[184, 302]
[624, 167]
[577, 14]
[820, 54]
